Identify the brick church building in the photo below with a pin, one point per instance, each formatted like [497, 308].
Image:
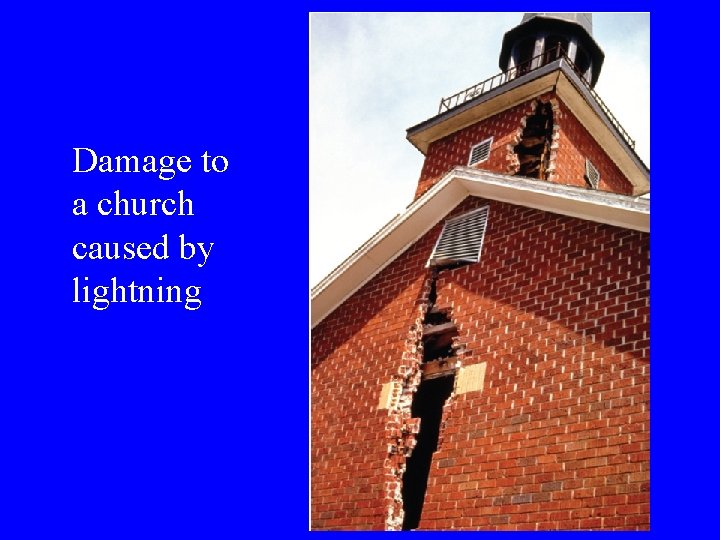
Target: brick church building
[482, 362]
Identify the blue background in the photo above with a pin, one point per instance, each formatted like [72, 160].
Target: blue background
[147, 420]
[153, 421]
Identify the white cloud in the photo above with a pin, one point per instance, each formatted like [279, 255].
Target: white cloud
[374, 75]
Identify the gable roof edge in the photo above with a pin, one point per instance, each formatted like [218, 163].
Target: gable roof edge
[426, 211]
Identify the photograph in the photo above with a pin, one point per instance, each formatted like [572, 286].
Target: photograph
[479, 255]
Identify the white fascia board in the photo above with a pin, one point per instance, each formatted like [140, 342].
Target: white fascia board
[602, 207]
[385, 246]
[406, 228]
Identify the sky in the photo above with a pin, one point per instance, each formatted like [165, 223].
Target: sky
[373, 75]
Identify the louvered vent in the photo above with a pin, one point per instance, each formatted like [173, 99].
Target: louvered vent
[461, 239]
[480, 152]
[591, 174]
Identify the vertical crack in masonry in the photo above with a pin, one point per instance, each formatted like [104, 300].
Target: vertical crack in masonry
[401, 428]
[431, 354]
[533, 150]
[427, 406]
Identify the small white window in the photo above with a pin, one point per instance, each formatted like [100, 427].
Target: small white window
[461, 239]
[480, 152]
[592, 175]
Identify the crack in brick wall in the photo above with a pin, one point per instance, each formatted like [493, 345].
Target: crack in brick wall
[401, 428]
[532, 150]
[570, 145]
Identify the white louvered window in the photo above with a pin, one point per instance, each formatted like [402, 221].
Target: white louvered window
[461, 239]
[480, 152]
[592, 175]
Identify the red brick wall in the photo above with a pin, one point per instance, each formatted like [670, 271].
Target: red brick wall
[559, 437]
[574, 144]
[447, 153]
[355, 351]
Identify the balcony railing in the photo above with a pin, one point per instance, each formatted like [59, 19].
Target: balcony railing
[535, 62]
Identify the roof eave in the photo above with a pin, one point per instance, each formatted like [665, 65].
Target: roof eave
[406, 228]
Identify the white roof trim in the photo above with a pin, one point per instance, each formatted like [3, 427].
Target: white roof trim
[406, 228]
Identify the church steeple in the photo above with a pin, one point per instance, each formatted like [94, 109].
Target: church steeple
[540, 118]
[543, 37]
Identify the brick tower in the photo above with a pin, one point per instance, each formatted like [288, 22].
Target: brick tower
[539, 118]
[482, 362]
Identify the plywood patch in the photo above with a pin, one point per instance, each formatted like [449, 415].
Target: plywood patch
[471, 378]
